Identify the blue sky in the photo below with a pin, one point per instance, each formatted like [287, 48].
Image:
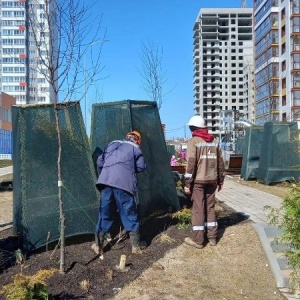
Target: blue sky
[166, 23]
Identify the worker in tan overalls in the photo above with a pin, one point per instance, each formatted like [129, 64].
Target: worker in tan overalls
[204, 175]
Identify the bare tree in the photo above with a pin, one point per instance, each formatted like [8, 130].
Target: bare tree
[153, 76]
[61, 33]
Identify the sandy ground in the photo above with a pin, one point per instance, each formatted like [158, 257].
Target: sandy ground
[236, 268]
[5, 209]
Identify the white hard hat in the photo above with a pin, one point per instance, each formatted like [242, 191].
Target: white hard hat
[197, 121]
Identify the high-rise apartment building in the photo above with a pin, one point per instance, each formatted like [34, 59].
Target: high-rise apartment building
[24, 44]
[277, 60]
[223, 66]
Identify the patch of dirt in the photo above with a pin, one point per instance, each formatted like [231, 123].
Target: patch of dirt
[5, 208]
[235, 269]
[168, 269]
[5, 163]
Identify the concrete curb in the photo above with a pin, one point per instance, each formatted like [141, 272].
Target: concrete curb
[279, 278]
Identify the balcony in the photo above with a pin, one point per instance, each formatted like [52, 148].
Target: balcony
[295, 103]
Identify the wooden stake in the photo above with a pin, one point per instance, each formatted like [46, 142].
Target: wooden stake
[122, 262]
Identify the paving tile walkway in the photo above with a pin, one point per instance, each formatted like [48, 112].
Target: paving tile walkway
[6, 170]
[252, 202]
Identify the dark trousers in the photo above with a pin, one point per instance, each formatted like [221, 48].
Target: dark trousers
[126, 207]
[203, 212]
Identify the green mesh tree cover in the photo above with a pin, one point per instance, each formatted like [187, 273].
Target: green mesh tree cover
[35, 181]
[112, 120]
[171, 150]
[240, 142]
[279, 156]
[251, 152]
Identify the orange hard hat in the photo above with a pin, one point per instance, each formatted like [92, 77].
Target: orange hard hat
[137, 135]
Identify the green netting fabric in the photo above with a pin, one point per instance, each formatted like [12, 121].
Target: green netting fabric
[156, 187]
[251, 152]
[35, 200]
[239, 145]
[171, 150]
[279, 156]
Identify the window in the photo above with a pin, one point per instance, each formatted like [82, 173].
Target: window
[283, 65]
[283, 48]
[283, 31]
[296, 61]
[283, 83]
[283, 100]
[296, 79]
[284, 117]
[283, 14]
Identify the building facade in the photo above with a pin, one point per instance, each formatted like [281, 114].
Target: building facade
[223, 66]
[25, 40]
[277, 60]
[6, 102]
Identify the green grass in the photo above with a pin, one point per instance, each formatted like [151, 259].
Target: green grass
[5, 163]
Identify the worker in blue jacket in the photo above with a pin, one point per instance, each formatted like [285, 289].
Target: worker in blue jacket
[117, 167]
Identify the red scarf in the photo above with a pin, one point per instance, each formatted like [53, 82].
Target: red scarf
[203, 134]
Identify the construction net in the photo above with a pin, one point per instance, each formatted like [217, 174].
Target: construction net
[279, 156]
[112, 120]
[35, 177]
[251, 152]
[171, 150]
[240, 142]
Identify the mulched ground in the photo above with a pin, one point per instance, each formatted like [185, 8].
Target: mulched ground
[83, 264]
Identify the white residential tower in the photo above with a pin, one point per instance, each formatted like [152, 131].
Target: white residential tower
[223, 66]
[23, 48]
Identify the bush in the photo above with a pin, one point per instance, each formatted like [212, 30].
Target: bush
[287, 218]
[184, 217]
[28, 287]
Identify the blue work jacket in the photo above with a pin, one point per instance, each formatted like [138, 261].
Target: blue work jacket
[118, 164]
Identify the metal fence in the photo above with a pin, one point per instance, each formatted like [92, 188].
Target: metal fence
[5, 144]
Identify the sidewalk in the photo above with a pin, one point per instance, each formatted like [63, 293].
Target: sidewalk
[6, 170]
[251, 202]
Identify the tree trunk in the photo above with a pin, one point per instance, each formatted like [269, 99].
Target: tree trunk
[60, 200]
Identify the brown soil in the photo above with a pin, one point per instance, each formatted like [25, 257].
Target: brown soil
[235, 269]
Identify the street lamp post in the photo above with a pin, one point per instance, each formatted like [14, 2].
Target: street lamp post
[84, 74]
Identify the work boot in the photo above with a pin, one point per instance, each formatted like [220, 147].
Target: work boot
[98, 245]
[212, 242]
[107, 237]
[137, 245]
[190, 242]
